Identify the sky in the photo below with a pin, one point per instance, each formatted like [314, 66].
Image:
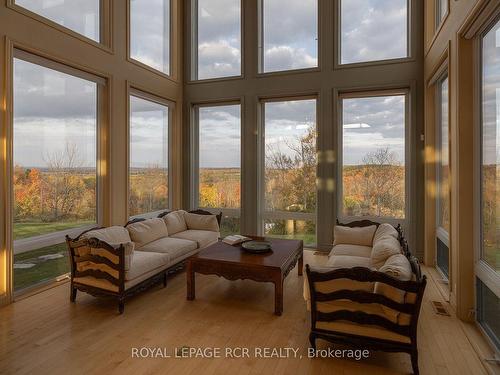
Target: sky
[371, 29]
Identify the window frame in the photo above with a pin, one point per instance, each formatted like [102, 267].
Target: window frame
[369, 93]
[263, 214]
[170, 74]
[192, 71]
[440, 18]
[261, 51]
[337, 48]
[140, 93]
[17, 51]
[195, 144]
[105, 41]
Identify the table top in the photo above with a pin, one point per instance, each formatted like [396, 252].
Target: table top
[282, 251]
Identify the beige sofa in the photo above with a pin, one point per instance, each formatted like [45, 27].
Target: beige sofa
[369, 291]
[120, 261]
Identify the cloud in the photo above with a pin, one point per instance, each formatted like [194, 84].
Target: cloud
[286, 58]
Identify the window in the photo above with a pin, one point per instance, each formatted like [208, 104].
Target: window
[488, 264]
[290, 34]
[373, 156]
[441, 11]
[55, 167]
[149, 158]
[373, 30]
[81, 16]
[218, 32]
[290, 169]
[150, 33]
[220, 162]
[443, 175]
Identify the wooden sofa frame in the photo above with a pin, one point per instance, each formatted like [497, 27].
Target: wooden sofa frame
[362, 274]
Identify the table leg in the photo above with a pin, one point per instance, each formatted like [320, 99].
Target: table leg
[301, 263]
[278, 295]
[190, 282]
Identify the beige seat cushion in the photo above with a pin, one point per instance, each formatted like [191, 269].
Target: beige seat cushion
[362, 330]
[354, 236]
[174, 247]
[398, 267]
[348, 261]
[383, 248]
[144, 232]
[355, 250]
[111, 235]
[144, 262]
[202, 237]
[175, 222]
[201, 222]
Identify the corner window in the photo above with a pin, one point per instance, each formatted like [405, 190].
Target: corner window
[55, 176]
[150, 33]
[217, 27]
[81, 16]
[373, 155]
[149, 154]
[289, 34]
[219, 162]
[373, 30]
[289, 174]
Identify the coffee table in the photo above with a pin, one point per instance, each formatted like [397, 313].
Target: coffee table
[234, 263]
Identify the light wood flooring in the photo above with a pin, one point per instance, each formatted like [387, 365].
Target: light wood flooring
[46, 334]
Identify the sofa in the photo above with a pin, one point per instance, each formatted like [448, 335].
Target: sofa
[369, 291]
[121, 261]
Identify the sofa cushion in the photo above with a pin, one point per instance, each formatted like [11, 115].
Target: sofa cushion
[144, 262]
[398, 267]
[362, 236]
[175, 222]
[174, 247]
[348, 261]
[113, 236]
[202, 237]
[383, 248]
[385, 229]
[201, 222]
[144, 232]
[356, 250]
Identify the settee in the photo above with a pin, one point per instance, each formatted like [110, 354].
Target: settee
[369, 292]
[121, 261]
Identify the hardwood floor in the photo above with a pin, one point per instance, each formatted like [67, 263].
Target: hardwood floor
[46, 334]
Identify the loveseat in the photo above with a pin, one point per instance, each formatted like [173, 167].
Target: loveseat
[369, 292]
[121, 261]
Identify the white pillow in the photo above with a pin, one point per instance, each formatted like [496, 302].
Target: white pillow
[144, 232]
[111, 235]
[175, 222]
[385, 229]
[383, 248]
[362, 236]
[201, 222]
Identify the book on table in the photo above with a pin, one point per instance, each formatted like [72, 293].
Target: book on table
[235, 239]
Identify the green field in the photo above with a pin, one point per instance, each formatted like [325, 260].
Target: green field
[31, 229]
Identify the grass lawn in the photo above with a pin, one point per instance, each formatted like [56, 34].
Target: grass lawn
[30, 229]
[309, 239]
[42, 270]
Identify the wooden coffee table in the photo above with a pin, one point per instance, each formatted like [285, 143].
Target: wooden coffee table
[233, 263]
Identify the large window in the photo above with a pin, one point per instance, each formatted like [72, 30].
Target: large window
[150, 33]
[219, 163]
[55, 170]
[289, 34]
[290, 161]
[149, 154]
[443, 175]
[218, 33]
[81, 16]
[373, 30]
[373, 155]
[488, 265]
